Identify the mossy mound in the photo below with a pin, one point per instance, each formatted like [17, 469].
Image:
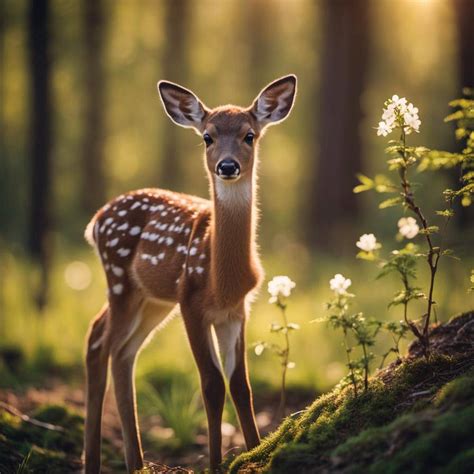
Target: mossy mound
[417, 417]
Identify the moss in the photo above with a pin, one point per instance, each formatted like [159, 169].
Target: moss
[462, 463]
[38, 448]
[460, 390]
[387, 429]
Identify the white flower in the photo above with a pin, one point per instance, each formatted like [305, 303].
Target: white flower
[280, 286]
[367, 242]
[398, 112]
[408, 227]
[399, 102]
[384, 129]
[339, 284]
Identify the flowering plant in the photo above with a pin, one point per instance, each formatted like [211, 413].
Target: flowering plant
[354, 327]
[402, 116]
[280, 288]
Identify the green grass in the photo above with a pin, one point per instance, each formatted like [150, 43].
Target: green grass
[55, 338]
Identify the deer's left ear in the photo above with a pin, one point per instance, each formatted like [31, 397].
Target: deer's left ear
[275, 101]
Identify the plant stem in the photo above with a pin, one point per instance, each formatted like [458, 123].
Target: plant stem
[433, 253]
[366, 368]
[349, 362]
[285, 360]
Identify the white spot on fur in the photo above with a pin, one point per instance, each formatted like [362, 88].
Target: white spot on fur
[169, 240]
[123, 252]
[117, 289]
[117, 271]
[124, 226]
[135, 205]
[122, 212]
[113, 242]
[199, 270]
[135, 230]
[193, 251]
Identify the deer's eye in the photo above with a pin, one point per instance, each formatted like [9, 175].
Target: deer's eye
[207, 139]
[249, 138]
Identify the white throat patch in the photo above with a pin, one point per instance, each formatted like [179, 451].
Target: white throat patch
[233, 193]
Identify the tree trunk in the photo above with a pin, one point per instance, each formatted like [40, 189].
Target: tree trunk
[175, 66]
[40, 133]
[93, 180]
[464, 14]
[332, 206]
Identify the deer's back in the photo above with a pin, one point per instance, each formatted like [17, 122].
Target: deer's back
[145, 237]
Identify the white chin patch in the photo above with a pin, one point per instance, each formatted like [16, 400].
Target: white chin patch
[233, 191]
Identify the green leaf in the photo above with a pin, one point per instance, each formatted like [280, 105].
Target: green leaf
[391, 202]
[466, 200]
[432, 229]
[366, 184]
[446, 213]
[275, 327]
[363, 255]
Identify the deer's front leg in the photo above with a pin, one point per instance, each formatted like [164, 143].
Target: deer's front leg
[212, 382]
[231, 338]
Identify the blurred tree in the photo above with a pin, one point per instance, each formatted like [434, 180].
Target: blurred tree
[344, 64]
[464, 11]
[40, 141]
[3, 150]
[465, 21]
[93, 180]
[175, 69]
[259, 21]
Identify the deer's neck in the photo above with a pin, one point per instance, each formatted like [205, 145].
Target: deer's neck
[235, 267]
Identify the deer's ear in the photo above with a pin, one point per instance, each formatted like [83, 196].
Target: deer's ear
[181, 105]
[275, 101]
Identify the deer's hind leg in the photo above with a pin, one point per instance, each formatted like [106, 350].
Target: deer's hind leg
[133, 319]
[97, 357]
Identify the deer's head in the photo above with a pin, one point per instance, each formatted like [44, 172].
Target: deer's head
[230, 133]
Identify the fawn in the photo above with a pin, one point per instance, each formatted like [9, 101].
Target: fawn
[160, 249]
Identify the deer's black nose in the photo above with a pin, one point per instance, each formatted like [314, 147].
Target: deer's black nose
[228, 169]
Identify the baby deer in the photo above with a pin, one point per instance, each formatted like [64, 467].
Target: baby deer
[160, 249]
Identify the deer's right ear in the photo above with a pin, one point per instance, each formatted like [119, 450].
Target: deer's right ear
[181, 105]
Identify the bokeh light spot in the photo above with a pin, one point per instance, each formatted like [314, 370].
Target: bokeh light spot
[78, 275]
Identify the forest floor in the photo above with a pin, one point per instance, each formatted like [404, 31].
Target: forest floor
[417, 416]
[41, 430]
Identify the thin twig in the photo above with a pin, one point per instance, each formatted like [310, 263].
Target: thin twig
[27, 419]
